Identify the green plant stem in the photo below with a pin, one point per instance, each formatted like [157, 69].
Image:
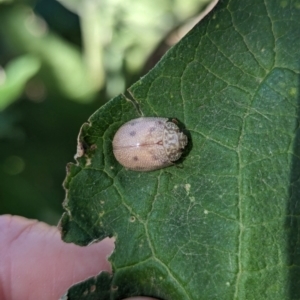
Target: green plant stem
[92, 44]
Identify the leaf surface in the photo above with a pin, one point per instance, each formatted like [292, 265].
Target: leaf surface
[224, 223]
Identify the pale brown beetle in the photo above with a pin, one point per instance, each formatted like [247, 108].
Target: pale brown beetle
[147, 144]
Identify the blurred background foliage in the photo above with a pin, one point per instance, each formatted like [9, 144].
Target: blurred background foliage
[59, 62]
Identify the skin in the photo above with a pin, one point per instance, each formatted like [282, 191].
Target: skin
[36, 264]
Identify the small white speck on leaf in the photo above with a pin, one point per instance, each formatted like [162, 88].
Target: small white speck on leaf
[187, 188]
[132, 219]
[88, 162]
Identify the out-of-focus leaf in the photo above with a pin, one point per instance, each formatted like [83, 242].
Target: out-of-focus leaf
[226, 224]
[15, 76]
[61, 61]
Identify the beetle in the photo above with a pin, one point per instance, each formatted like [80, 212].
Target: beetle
[148, 143]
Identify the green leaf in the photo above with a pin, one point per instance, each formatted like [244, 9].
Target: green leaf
[225, 225]
[14, 78]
